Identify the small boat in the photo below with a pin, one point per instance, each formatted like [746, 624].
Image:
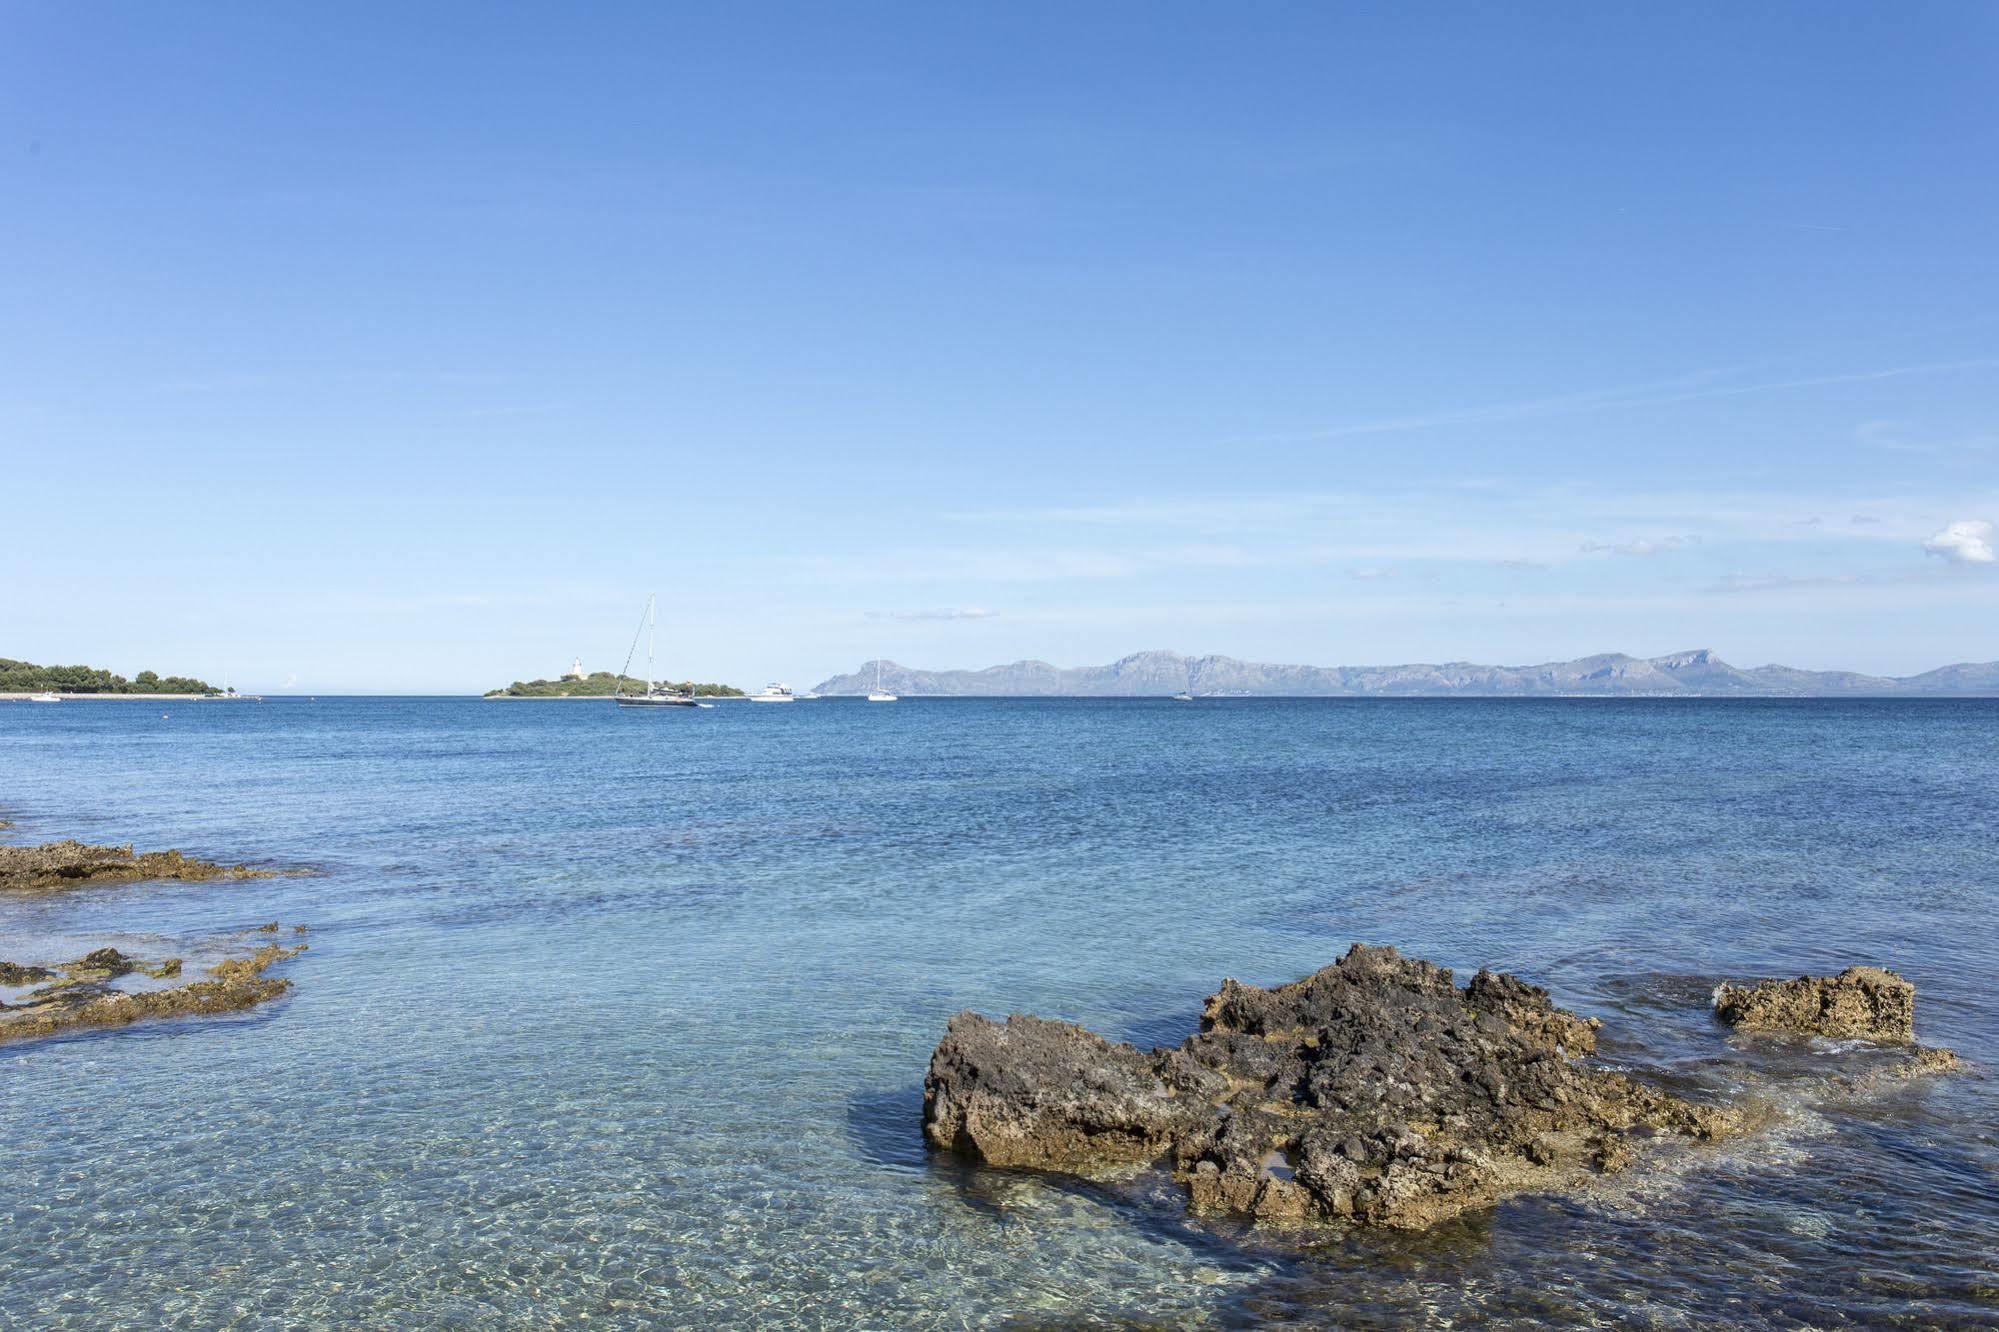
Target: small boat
[46, 696]
[878, 694]
[774, 693]
[655, 696]
[1183, 697]
[227, 694]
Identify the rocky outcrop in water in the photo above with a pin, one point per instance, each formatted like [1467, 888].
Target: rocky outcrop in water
[70, 864]
[1860, 1003]
[13, 973]
[1375, 1091]
[84, 995]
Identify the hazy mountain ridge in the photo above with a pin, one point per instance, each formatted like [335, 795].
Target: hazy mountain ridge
[1698, 673]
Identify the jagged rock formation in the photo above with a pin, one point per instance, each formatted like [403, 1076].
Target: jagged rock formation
[1375, 1091]
[1861, 1003]
[85, 997]
[1698, 673]
[70, 864]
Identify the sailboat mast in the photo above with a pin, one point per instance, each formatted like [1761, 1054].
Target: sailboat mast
[652, 620]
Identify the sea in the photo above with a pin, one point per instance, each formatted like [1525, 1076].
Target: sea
[620, 1018]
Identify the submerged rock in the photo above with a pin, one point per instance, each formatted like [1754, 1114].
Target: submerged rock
[1374, 1091]
[69, 864]
[1860, 1003]
[84, 997]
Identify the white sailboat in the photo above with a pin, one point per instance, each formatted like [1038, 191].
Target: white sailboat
[878, 694]
[654, 696]
[228, 694]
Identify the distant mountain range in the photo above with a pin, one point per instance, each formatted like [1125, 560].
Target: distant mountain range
[1681, 674]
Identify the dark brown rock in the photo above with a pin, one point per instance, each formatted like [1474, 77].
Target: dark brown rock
[104, 964]
[1030, 1092]
[1374, 1091]
[1531, 1012]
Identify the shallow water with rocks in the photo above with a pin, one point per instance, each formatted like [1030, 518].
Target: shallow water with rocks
[622, 1019]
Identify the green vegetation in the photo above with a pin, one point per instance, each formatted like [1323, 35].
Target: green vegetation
[602, 684]
[24, 677]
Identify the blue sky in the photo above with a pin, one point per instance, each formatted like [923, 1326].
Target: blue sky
[392, 347]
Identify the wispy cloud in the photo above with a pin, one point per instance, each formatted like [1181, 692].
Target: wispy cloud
[1420, 532]
[1217, 515]
[505, 412]
[937, 613]
[1687, 388]
[1901, 437]
[1904, 578]
[1026, 564]
[1740, 582]
[1642, 547]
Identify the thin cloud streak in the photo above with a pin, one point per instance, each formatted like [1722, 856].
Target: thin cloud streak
[938, 613]
[1642, 547]
[1637, 395]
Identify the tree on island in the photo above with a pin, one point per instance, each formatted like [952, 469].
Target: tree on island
[603, 684]
[24, 677]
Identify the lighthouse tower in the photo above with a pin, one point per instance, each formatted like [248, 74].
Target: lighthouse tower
[575, 671]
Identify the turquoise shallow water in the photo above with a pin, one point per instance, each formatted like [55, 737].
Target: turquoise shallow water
[621, 1019]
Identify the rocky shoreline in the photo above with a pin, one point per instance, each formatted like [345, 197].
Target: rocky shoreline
[82, 993]
[105, 987]
[54, 866]
[1375, 1092]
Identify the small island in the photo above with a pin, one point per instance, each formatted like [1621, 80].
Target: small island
[24, 677]
[603, 684]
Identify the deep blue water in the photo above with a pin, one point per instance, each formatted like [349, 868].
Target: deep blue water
[622, 1017]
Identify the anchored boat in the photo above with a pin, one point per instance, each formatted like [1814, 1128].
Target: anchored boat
[878, 694]
[655, 696]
